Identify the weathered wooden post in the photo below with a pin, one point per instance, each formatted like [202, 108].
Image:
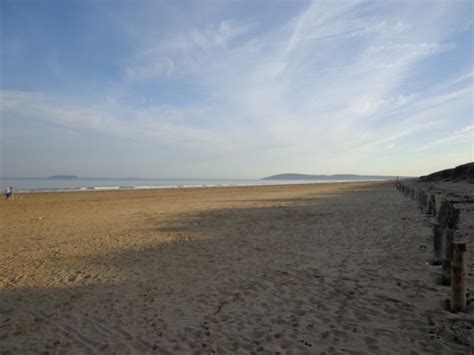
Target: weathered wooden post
[429, 203]
[433, 205]
[424, 201]
[437, 244]
[458, 277]
[448, 237]
[448, 215]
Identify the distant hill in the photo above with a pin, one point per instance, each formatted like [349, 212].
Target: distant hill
[327, 177]
[463, 172]
[63, 177]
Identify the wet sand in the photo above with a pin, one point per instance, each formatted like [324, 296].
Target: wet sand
[335, 268]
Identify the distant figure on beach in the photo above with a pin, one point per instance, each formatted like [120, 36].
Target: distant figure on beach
[9, 193]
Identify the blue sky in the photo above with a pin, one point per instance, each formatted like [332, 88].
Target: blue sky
[235, 89]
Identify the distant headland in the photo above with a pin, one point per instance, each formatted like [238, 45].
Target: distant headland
[63, 177]
[327, 177]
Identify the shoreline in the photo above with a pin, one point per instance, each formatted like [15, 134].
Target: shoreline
[197, 186]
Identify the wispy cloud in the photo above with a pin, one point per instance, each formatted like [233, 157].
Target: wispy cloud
[185, 52]
[340, 76]
[151, 124]
[462, 136]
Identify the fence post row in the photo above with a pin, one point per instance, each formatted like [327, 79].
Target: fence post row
[447, 251]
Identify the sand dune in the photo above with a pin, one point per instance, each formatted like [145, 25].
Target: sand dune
[335, 268]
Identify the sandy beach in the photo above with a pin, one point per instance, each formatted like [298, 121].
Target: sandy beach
[320, 268]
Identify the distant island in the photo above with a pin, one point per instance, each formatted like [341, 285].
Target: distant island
[63, 177]
[327, 177]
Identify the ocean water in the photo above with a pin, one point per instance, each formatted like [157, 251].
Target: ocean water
[61, 185]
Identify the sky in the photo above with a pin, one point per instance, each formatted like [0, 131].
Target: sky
[235, 89]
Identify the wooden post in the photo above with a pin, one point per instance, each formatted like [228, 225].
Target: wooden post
[421, 197]
[458, 277]
[424, 201]
[428, 204]
[437, 244]
[433, 205]
[448, 236]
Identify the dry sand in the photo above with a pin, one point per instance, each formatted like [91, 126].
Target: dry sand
[335, 268]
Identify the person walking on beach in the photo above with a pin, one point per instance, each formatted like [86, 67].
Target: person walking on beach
[8, 193]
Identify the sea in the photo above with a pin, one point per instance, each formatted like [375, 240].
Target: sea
[32, 185]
